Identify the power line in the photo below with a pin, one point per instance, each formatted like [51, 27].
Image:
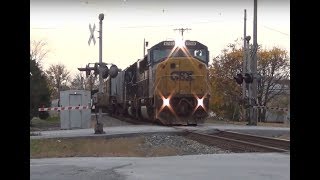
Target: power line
[45, 28]
[276, 30]
[273, 29]
[182, 30]
[168, 25]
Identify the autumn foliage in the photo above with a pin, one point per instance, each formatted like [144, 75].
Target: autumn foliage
[226, 94]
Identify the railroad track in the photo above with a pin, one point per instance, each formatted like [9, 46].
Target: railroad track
[132, 121]
[239, 142]
[229, 140]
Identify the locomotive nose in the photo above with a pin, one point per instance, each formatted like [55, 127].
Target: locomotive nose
[184, 107]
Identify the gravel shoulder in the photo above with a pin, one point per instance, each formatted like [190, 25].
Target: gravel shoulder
[153, 145]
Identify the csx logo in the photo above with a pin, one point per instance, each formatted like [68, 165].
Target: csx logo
[181, 75]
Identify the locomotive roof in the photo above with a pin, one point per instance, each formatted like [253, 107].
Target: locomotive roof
[170, 44]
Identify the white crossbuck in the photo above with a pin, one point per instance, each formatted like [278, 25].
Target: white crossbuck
[92, 34]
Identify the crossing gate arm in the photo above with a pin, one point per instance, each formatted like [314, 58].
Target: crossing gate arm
[271, 108]
[65, 108]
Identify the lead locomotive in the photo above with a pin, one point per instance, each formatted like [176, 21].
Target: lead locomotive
[169, 85]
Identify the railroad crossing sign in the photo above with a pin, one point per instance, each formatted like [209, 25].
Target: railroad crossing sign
[92, 34]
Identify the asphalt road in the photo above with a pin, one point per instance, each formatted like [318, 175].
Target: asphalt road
[241, 166]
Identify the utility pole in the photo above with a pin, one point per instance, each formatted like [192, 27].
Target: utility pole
[182, 30]
[144, 47]
[249, 86]
[99, 126]
[145, 44]
[254, 86]
[244, 68]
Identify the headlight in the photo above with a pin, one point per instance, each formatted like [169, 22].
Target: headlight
[166, 102]
[179, 43]
[200, 102]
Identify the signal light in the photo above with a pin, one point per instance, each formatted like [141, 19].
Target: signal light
[113, 71]
[248, 78]
[105, 71]
[239, 78]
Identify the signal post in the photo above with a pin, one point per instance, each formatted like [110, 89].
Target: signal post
[249, 73]
[103, 71]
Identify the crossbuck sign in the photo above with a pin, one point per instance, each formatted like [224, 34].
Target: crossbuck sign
[92, 34]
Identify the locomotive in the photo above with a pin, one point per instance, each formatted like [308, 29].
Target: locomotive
[169, 85]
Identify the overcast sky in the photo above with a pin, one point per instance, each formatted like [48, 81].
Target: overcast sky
[64, 25]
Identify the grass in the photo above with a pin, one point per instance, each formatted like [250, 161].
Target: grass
[40, 124]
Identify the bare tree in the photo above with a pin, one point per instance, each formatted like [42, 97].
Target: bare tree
[78, 82]
[38, 50]
[88, 83]
[92, 83]
[58, 77]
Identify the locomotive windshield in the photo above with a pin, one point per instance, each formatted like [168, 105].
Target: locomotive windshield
[165, 49]
[160, 54]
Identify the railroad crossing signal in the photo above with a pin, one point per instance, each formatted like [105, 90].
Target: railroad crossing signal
[248, 78]
[112, 72]
[92, 34]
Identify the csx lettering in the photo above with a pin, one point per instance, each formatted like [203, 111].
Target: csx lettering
[181, 75]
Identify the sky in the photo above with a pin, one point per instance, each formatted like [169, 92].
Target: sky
[64, 26]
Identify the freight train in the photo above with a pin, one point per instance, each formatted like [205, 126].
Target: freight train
[169, 85]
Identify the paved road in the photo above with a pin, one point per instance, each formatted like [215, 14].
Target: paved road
[241, 166]
[125, 128]
[108, 131]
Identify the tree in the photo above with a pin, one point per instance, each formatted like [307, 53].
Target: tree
[226, 94]
[77, 82]
[274, 69]
[38, 51]
[58, 77]
[39, 90]
[88, 83]
[92, 83]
